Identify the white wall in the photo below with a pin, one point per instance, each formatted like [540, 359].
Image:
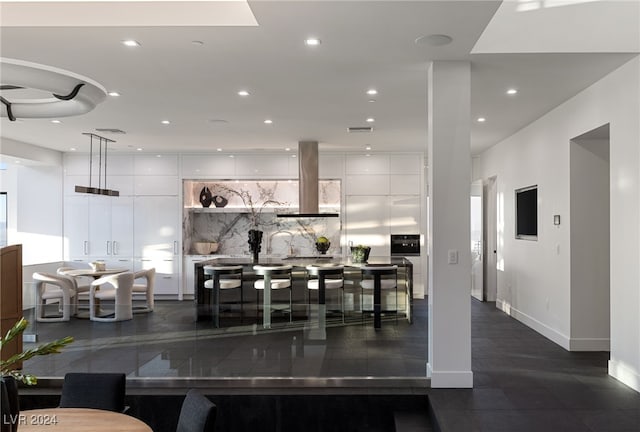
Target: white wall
[534, 277]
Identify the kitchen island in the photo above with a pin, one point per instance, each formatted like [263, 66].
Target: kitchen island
[205, 310]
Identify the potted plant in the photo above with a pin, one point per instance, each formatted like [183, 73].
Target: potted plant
[11, 372]
[323, 244]
[360, 253]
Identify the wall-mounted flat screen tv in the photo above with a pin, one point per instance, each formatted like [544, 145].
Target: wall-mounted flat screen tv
[527, 213]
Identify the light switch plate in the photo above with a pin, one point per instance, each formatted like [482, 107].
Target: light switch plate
[452, 257]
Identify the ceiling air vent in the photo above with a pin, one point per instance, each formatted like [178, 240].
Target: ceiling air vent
[111, 130]
[355, 129]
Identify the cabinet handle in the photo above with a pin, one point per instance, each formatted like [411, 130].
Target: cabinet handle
[175, 248]
[115, 247]
[108, 247]
[85, 247]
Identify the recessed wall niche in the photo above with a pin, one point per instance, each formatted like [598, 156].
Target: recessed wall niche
[244, 204]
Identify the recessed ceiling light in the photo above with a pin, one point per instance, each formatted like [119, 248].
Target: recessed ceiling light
[371, 101]
[512, 91]
[243, 93]
[312, 42]
[158, 155]
[165, 122]
[56, 121]
[72, 149]
[370, 120]
[267, 121]
[130, 43]
[114, 93]
[367, 155]
[368, 147]
[230, 156]
[481, 120]
[139, 149]
[287, 149]
[17, 161]
[294, 155]
[197, 42]
[219, 149]
[372, 92]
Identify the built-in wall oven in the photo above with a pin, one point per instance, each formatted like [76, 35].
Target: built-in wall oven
[405, 244]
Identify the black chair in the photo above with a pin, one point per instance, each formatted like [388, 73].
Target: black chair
[198, 414]
[94, 390]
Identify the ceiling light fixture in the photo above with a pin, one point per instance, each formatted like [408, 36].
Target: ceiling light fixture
[512, 91]
[114, 93]
[71, 94]
[372, 92]
[56, 121]
[72, 149]
[99, 190]
[312, 42]
[130, 43]
[267, 121]
[481, 120]
[165, 122]
[287, 149]
[367, 147]
[371, 120]
[139, 149]
[243, 93]
[219, 149]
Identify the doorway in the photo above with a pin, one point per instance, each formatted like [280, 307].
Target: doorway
[590, 240]
[490, 239]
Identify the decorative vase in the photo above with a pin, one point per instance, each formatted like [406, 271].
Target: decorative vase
[220, 201]
[323, 247]
[255, 239]
[10, 404]
[360, 254]
[205, 197]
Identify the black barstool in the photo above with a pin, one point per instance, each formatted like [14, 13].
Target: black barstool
[223, 278]
[377, 278]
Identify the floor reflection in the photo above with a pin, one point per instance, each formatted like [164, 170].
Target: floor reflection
[168, 343]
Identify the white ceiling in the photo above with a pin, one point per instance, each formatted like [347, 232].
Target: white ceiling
[316, 93]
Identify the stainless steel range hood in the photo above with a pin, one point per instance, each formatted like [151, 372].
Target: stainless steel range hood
[308, 182]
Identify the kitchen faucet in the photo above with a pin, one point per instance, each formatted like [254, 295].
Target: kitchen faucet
[270, 240]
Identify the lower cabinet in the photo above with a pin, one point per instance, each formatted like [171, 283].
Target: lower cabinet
[167, 282]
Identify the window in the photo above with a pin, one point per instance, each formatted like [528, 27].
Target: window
[527, 213]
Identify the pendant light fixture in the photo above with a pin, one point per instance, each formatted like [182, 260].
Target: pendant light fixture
[97, 190]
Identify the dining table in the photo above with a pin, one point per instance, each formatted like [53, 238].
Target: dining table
[95, 274]
[78, 420]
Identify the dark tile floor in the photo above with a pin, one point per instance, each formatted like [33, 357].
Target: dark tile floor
[524, 382]
[168, 343]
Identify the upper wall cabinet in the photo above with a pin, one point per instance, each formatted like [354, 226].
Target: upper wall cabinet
[405, 164]
[156, 185]
[330, 166]
[361, 164]
[78, 164]
[198, 166]
[261, 166]
[156, 165]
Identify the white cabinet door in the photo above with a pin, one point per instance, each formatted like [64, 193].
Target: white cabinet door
[122, 227]
[99, 226]
[76, 227]
[156, 227]
[404, 214]
[367, 223]
[167, 275]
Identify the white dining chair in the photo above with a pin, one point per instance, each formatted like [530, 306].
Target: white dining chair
[52, 288]
[117, 288]
[143, 290]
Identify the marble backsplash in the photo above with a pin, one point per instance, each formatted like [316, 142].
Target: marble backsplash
[229, 226]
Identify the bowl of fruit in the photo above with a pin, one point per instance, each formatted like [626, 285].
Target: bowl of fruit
[322, 244]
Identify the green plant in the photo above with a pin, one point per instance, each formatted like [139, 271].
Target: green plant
[7, 367]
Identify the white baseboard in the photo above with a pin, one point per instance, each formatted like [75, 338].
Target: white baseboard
[536, 325]
[624, 374]
[590, 344]
[450, 379]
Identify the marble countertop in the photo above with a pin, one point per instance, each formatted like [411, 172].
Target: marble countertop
[300, 261]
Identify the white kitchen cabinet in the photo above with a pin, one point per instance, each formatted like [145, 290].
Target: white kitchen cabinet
[404, 214]
[199, 166]
[167, 282]
[366, 222]
[189, 274]
[156, 227]
[156, 165]
[156, 185]
[98, 227]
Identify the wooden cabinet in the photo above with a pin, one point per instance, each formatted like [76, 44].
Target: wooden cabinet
[10, 296]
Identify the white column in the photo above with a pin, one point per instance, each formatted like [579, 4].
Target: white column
[449, 162]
